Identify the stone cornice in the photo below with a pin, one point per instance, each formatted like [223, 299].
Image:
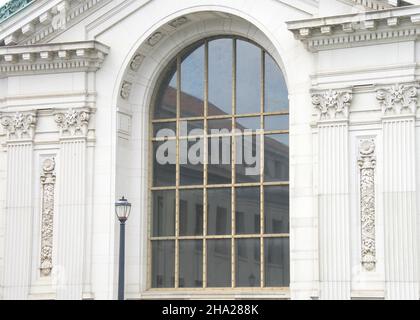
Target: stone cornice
[50, 58]
[44, 20]
[358, 29]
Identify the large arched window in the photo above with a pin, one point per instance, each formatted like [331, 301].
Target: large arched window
[220, 178]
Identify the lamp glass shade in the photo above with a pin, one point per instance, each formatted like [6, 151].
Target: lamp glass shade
[122, 209]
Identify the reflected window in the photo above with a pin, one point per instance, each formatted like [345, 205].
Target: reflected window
[220, 169]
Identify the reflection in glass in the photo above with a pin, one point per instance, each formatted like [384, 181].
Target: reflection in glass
[248, 123]
[220, 77]
[276, 158]
[163, 219]
[192, 83]
[219, 167]
[276, 96]
[219, 214]
[248, 78]
[277, 123]
[166, 97]
[191, 212]
[163, 264]
[191, 161]
[190, 263]
[164, 175]
[219, 126]
[247, 210]
[276, 209]
[164, 129]
[219, 263]
[248, 262]
[276, 262]
[247, 160]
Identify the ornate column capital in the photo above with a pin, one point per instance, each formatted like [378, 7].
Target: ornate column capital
[20, 125]
[398, 99]
[332, 104]
[73, 123]
[367, 165]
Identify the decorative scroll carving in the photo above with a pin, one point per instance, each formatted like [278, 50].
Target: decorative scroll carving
[47, 219]
[136, 62]
[126, 90]
[178, 22]
[367, 165]
[332, 104]
[73, 122]
[155, 39]
[398, 99]
[20, 125]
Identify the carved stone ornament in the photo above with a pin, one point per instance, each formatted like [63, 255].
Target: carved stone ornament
[20, 125]
[47, 218]
[367, 165]
[178, 22]
[126, 90]
[155, 38]
[398, 99]
[136, 62]
[332, 104]
[73, 122]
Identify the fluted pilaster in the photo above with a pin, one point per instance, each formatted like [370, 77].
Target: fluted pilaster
[333, 193]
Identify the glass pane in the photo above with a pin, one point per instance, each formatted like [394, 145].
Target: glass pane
[276, 209]
[248, 78]
[195, 128]
[253, 123]
[219, 273]
[276, 157]
[276, 123]
[164, 129]
[191, 155]
[191, 212]
[248, 210]
[219, 213]
[248, 263]
[276, 262]
[163, 213]
[219, 126]
[164, 160]
[220, 164]
[248, 160]
[163, 264]
[276, 96]
[190, 263]
[166, 97]
[220, 77]
[192, 83]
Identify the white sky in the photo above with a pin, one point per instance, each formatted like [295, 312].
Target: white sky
[3, 2]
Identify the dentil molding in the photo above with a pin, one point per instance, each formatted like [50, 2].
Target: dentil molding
[51, 58]
[398, 99]
[367, 166]
[20, 125]
[332, 104]
[73, 122]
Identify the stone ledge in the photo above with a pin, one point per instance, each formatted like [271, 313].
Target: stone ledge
[51, 58]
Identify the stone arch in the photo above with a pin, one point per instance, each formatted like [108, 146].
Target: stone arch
[135, 86]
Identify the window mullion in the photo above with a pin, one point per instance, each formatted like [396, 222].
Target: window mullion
[233, 159]
[177, 200]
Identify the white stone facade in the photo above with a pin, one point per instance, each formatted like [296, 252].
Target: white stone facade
[76, 83]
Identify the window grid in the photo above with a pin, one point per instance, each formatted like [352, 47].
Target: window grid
[205, 187]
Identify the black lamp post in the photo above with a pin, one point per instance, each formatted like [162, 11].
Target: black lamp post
[122, 210]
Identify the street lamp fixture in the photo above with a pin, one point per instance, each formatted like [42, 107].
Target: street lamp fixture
[122, 211]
